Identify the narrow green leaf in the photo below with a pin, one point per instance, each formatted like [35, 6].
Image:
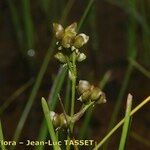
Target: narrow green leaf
[17, 23]
[12, 97]
[140, 139]
[49, 124]
[126, 123]
[85, 14]
[67, 96]
[28, 24]
[139, 67]
[52, 101]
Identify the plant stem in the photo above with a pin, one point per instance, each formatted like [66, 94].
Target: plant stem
[78, 115]
[140, 139]
[74, 76]
[16, 94]
[126, 125]
[139, 67]
[121, 122]
[49, 123]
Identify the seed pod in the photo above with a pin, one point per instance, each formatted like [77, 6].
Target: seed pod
[80, 40]
[102, 98]
[66, 41]
[58, 30]
[60, 57]
[81, 57]
[55, 119]
[85, 96]
[63, 121]
[83, 86]
[71, 30]
[95, 94]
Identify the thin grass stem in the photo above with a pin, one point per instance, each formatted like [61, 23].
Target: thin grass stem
[74, 77]
[13, 96]
[50, 124]
[139, 67]
[140, 139]
[126, 125]
[121, 122]
[90, 3]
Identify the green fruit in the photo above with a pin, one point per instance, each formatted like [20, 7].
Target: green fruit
[83, 86]
[80, 40]
[102, 98]
[58, 30]
[66, 41]
[60, 57]
[95, 94]
[55, 119]
[63, 121]
[86, 96]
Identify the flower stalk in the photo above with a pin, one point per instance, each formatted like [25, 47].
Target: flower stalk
[74, 73]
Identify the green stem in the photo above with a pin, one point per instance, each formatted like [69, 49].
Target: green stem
[49, 123]
[140, 139]
[74, 76]
[126, 125]
[78, 115]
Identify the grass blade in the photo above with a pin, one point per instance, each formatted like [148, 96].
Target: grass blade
[140, 139]
[2, 137]
[52, 100]
[32, 97]
[49, 123]
[34, 92]
[18, 92]
[53, 94]
[139, 67]
[90, 3]
[16, 23]
[28, 24]
[67, 96]
[46, 5]
[126, 123]
[121, 122]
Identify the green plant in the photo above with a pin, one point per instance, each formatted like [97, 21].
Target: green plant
[69, 44]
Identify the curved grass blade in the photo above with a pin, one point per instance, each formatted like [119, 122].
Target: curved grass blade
[32, 97]
[18, 92]
[140, 139]
[139, 67]
[85, 14]
[16, 23]
[49, 124]
[52, 100]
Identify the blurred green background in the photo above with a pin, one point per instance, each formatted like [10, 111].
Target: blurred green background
[118, 50]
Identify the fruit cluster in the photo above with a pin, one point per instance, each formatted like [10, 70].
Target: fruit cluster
[68, 42]
[89, 93]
